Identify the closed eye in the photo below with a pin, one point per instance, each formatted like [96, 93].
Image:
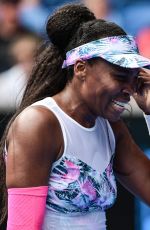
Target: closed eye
[126, 78]
[121, 78]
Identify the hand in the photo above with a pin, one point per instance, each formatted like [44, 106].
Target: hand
[142, 95]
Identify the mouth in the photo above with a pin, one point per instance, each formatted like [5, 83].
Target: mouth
[119, 105]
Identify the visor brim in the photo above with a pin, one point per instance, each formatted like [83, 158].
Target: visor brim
[128, 60]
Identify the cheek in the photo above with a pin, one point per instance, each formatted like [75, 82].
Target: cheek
[108, 89]
[100, 90]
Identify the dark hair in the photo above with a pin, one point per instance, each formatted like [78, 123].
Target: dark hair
[70, 26]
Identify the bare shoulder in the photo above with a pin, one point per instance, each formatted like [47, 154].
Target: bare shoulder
[34, 125]
[33, 143]
[33, 117]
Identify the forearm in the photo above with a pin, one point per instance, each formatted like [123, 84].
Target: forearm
[139, 187]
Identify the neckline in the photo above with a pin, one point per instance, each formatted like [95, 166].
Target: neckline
[74, 121]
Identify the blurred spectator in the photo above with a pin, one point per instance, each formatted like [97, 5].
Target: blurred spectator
[136, 16]
[103, 9]
[125, 13]
[10, 27]
[121, 4]
[143, 40]
[13, 81]
[34, 13]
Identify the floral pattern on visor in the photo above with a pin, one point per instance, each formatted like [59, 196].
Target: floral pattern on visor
[75, 187]
[118, 50]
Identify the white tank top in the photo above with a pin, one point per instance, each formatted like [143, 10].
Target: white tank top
[81, 183]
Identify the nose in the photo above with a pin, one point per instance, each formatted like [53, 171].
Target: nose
[126, 94]
[130, 88]
[129, 91]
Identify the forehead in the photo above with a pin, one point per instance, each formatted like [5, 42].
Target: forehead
[125, 70]
[126, 73]
[116, 69]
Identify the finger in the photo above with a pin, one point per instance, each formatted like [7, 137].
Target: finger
[146, 83]
[142, 85]
[144, 78]
[144, 72]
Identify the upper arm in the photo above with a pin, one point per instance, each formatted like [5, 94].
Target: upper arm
[132, 167]
[33, 143]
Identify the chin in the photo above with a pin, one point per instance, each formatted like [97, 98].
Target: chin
[113, 118]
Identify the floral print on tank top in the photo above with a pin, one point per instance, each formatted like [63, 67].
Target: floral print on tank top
[75, 187]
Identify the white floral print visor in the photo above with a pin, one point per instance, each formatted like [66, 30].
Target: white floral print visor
[119, 50]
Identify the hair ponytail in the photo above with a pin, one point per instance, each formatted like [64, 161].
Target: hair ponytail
[47, 78]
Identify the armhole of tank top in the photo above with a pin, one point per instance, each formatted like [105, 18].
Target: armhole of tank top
[62, 129]
[64, 139]
[109, 133]
[111, 136]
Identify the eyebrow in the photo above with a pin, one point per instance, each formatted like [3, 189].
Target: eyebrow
[118, 71]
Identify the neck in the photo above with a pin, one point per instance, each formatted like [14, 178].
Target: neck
[72, 104]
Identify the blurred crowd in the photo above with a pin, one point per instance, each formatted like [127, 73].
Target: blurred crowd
[22, 24]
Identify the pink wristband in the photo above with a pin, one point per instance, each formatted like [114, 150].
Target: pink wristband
[26, 208]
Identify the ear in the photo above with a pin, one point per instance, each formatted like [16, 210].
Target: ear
[80, 70]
